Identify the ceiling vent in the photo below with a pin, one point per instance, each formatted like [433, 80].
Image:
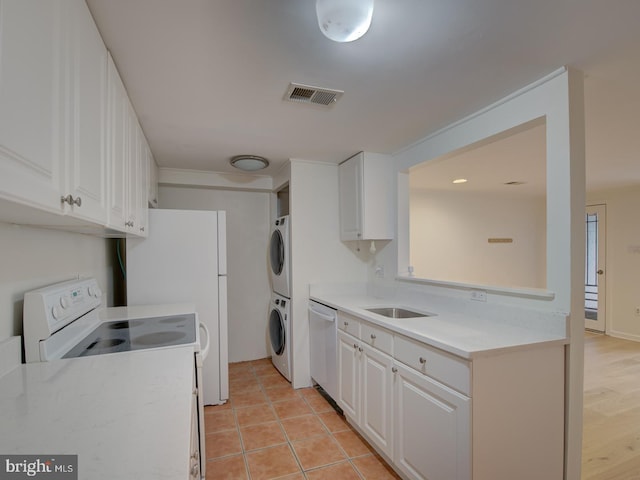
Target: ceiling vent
[308, 94]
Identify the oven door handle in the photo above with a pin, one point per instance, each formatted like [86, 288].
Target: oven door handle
[205, 351]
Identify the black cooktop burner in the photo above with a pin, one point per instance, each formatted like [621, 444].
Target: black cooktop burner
[129, 323]
[138, 334]
[111, 342]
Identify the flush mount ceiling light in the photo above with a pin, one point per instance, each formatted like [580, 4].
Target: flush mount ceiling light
[249, 163]
[344, 20]
[459, 180]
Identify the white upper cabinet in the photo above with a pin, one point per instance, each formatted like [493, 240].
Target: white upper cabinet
[117, 148]
[31, 102]
[53, 108]
[71, 149]
[366, 202]
[128, 155]
[86, 176]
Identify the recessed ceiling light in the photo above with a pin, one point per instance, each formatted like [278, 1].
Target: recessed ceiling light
[460, 180]
[249, 163]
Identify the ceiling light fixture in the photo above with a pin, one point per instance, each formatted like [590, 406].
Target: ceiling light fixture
[344, 20]
[249, 163]
[460, 180]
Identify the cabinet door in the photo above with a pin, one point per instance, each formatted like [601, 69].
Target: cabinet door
[433, 428]
[153, 181]
[31, 102]
[133, 149]
[376, 381]
[118, 152]
[142, 193]
[86, 153]
[350, 191]
[348, 375]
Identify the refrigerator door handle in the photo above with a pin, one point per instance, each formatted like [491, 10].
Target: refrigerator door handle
[205, 350]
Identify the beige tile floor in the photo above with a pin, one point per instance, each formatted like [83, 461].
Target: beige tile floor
[268, 430]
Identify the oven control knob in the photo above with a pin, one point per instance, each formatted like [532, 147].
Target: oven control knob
[95, 292]
[65, 301]
[56, 311]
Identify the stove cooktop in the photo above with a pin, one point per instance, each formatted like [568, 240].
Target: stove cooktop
[138, 334]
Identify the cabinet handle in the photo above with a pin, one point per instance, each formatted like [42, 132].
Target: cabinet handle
[394, 370]
[346, 324]
[360, 349]
[129, 224]
[71, 201]
[423, 360]
[142, 229]
[373, 336]
[355, 345]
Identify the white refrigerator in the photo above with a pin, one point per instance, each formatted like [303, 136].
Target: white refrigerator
[184, 260]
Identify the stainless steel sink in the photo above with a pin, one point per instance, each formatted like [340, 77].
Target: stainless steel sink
[396, 312]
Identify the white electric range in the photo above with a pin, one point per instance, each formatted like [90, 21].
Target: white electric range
[67, 320]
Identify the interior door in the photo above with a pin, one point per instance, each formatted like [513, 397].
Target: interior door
[595, 268]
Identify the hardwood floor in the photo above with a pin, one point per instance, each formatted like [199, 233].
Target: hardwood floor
[611, 439]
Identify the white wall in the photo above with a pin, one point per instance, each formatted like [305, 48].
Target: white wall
[449, 233]
[318, 255]
[622, 260]
[248, 270]
[34, 257]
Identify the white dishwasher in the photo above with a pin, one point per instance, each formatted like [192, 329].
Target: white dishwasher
[323, 339]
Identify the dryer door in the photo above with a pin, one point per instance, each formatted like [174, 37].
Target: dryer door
[276, 252]
[277, 332]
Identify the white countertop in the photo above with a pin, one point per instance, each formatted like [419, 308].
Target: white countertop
[125, 415]
[454, 328]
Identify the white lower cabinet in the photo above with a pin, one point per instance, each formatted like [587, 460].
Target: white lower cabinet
[376, 383]
[365, 390]
[437, 416]
[432, 428]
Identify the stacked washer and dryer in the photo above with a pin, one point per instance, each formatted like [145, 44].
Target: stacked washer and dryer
[280, 306]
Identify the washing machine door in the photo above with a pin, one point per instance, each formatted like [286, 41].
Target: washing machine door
[277, 332]
[276, 252]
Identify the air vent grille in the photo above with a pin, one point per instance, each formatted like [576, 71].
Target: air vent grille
[314, 95]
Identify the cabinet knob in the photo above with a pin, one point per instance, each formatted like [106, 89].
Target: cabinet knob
[71, 201]
[142, 229]
[346, 324]
[373, 336]
[394, 369]
[423, 360]
[355, 345]
[360, 349]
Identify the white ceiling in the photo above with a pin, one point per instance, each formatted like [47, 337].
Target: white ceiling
[207, 77]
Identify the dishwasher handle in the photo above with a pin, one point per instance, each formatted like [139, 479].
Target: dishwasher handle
[324, 316]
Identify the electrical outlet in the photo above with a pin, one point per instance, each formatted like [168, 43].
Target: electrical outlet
[479, 295]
